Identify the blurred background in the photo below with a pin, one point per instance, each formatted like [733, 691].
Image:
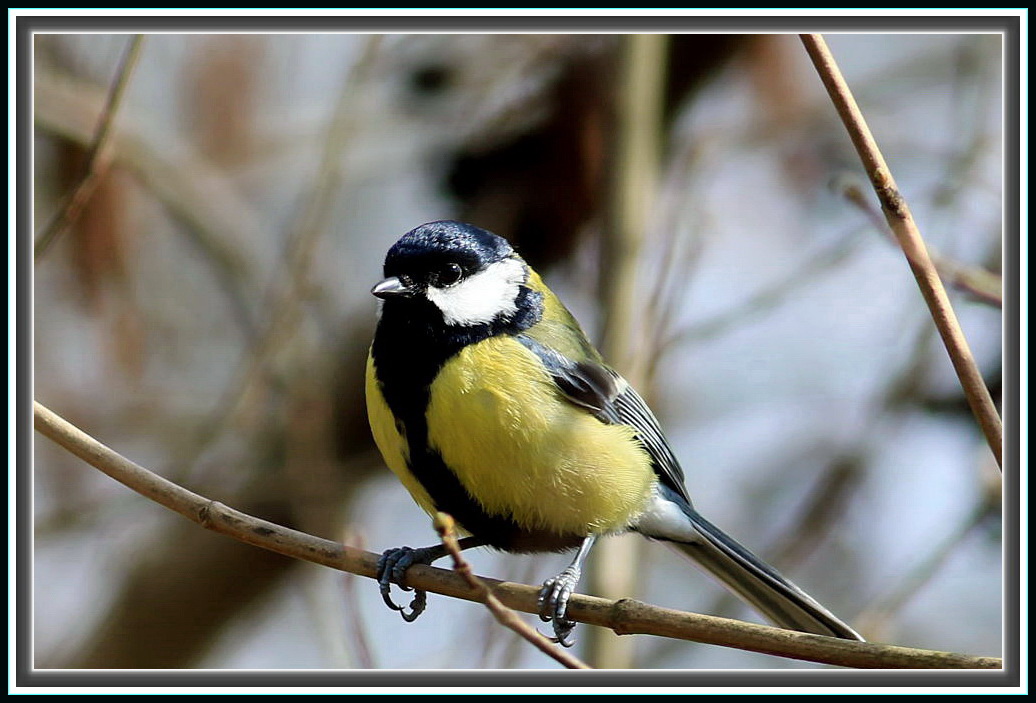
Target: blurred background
[696, 203]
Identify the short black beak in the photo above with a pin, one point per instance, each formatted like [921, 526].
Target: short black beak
[390, 287]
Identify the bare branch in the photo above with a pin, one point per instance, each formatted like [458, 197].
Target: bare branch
[70, 208]
[877, 616]
[767, 297]
[360, 641]
[446, 527]
[623, 616]
[897, 213]
[983, 285]
[638, 146]
[283, 298]
[215, 217]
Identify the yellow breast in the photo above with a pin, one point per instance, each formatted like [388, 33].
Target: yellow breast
[522, 451]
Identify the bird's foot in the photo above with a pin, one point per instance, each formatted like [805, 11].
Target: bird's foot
[392, 567]
[553, 604]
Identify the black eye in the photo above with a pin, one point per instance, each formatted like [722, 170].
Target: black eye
[431, 80]
[450, 274]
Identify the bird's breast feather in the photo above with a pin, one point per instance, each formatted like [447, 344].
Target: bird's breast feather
[521, 449]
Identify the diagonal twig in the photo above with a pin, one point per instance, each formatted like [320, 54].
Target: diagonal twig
[767, 297]
[446, 527]
[985, 286]
[357, 631]
[623, 616]
[877, 615]
[72, 205]
[285, 293]
[213, 215]
[897, 213]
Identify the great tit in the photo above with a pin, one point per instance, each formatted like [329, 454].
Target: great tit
[488, 402]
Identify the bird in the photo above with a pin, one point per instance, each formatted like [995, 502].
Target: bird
[489, 403]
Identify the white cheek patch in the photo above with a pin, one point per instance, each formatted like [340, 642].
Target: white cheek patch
[482, 297]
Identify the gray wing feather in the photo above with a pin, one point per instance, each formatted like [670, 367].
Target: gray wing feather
[612, 400]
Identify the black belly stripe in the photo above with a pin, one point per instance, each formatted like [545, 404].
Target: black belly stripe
[410, 346]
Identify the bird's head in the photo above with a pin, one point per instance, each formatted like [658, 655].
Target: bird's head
[468, 275]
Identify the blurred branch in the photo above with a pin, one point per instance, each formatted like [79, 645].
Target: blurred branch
[876, 617]
[907, 386]
[977, 68]
[202, 573]
[638, 154]
[446, 527]
[681, 250]
[897, 213]
[824, 507]
[828, 500]
[168, 606]
[765, 298]
[831, 492]
[283, 297]
[72, 205]
[513, 647]
[215, 216]
[357, 630]
[624, 616]
[638, 146]
[985, 286]
[822, 510]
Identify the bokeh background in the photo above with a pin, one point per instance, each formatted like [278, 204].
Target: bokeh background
[208, 315]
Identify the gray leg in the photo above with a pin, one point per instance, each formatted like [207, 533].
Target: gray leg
[554, 595]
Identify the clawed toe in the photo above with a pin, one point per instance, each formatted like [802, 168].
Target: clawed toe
[553, 605]
[392, 567]
[553, 597]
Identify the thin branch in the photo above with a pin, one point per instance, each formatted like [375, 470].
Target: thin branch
[446, 527]
[822, 509]
[357, 630]
[638, 148]
[71, 207]
[681, 254]
[282, 300]
[623, 616]
[897, 213]
[513, 647]
[766, 297]
[974, 67]
[214, 216]
[878, 614]
[985, 286]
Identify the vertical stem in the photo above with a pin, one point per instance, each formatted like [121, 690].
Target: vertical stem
[72, 205]
[897, 213]
[283, 298]
[636, 167]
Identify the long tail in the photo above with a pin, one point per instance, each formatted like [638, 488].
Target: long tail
[758, 583]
